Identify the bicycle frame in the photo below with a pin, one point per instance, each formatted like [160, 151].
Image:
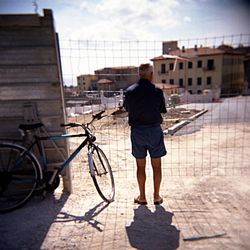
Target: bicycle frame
[27, 173]
[37, 140]
[89, 140]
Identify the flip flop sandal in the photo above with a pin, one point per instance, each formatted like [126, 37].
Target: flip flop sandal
[158, 202]
[141, 202]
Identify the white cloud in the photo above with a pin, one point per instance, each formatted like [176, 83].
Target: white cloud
[187, 19]
[116, 20]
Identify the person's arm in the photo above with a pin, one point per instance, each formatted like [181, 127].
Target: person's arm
[162, 104]
[127, 94]
[125, 103]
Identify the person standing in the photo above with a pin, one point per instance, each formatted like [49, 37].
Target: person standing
[144, 103]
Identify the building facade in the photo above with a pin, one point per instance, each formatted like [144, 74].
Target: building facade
[121, 77]
[246, 52]
[86, 82]
[202, 69]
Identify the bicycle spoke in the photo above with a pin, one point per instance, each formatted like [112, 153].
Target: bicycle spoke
[103, 177]
[19, 176]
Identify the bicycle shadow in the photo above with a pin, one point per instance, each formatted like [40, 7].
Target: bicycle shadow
[27, 227]
[153, 230]
[87, 217]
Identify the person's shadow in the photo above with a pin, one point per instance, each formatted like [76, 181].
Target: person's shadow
[153, 230]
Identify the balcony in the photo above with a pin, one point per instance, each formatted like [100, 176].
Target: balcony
[162, 72]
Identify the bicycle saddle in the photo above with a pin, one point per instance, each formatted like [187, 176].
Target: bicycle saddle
[26, 127]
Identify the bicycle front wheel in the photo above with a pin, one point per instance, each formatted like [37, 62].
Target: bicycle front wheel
[101, 173]
[19, 176]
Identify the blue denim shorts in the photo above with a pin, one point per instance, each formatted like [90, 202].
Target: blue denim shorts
[149, 139]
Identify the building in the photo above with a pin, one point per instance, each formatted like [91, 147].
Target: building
[105, 84]
[121, 77]
[168, 89]
[86, 82]
[199, 69]
[246, 52]
[70, 91]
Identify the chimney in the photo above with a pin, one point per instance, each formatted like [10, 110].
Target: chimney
[195, 47]
[183, 49]
[169, 46]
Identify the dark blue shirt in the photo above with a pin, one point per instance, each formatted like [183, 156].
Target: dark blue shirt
[144, 103]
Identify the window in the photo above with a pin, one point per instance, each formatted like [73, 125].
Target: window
[171, 66]
[171, 81]
[163, 81]
[163, 68]
[190, 92]
[190, 65]
[210, 64]
[199, 92]
[181, 65]
[190, 81]
[199, 64]
[181, 82]
[199, 81]
[209, 80]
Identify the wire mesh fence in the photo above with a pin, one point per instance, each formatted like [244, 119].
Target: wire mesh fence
[86, 56]
[207, 126]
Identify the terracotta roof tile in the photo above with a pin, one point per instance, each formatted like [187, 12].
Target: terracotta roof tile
[194, 52]
[190, 53]
[170, 57]
[104, 81]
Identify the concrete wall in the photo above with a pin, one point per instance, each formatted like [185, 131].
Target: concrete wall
[31, 87]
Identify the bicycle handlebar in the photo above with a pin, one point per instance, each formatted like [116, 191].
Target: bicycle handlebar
[72, 125]
[97, 116]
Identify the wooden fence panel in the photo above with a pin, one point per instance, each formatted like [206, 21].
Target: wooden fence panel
[31, 87]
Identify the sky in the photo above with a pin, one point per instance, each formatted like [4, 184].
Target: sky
[140, 19]
[89, 26]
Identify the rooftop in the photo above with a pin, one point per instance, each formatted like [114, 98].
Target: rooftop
[118, 68]
[185, 54]
[104, 81]
[164, 57]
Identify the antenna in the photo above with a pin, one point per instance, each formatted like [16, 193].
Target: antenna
[36, 6]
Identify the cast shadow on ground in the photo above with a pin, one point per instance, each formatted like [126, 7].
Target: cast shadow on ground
[153, 230]
[27, 227]
[87, 217]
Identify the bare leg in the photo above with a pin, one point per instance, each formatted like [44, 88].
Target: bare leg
[141, 177]
[156, 165]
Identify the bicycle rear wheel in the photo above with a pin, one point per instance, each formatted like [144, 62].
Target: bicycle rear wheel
[101, 173]
[19, 175]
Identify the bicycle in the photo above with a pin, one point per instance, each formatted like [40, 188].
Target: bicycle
[21, 173]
